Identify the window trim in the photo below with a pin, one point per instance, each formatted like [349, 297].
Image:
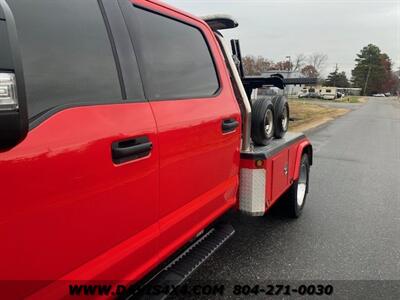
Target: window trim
[124, 51]
[125, 6]
[113, 49]
[46, 114]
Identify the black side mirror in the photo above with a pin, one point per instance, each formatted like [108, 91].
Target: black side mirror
[14, 123]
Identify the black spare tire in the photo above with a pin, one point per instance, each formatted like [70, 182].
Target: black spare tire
[281, 112]
[262, 124]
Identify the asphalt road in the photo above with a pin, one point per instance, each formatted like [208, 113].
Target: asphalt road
[350, 228]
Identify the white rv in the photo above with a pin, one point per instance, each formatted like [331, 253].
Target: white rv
[328, 93]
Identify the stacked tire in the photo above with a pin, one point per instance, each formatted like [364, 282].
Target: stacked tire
[270, 118]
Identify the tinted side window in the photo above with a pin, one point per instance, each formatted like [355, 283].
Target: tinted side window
[66, 53]
[176, 61]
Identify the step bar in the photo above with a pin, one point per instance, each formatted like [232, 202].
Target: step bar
[186, 263]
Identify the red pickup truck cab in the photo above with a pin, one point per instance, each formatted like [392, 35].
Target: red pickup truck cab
[121, 140]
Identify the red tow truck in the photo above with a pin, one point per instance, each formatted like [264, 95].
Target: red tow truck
[126, 133]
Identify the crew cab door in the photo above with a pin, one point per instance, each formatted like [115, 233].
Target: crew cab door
[197, 118]
[79, 196]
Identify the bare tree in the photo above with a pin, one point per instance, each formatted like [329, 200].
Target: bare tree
[311, 65]
[283, 65]
[263, 64]
[255, 65]
[299, 62]
[249, 65]
[318, 61]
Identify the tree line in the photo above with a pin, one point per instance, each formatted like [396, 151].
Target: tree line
[373, 71]
[311, 65]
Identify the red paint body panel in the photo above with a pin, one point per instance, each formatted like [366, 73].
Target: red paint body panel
[301, 148]
[66, 205]
[78, 216]
[199, 164]
[279, 177]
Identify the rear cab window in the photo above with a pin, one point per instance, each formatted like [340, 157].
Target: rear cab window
[174, 57]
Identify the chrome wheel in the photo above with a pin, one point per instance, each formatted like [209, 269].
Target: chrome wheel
[269, 123]
[285, 119]
[302, 185]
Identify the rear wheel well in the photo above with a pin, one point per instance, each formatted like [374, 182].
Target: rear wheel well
[309, 151]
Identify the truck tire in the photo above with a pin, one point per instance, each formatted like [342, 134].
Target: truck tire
[262, 123]
[297, 193]
[281, 110]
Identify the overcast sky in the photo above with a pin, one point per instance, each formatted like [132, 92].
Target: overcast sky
[338, 28]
